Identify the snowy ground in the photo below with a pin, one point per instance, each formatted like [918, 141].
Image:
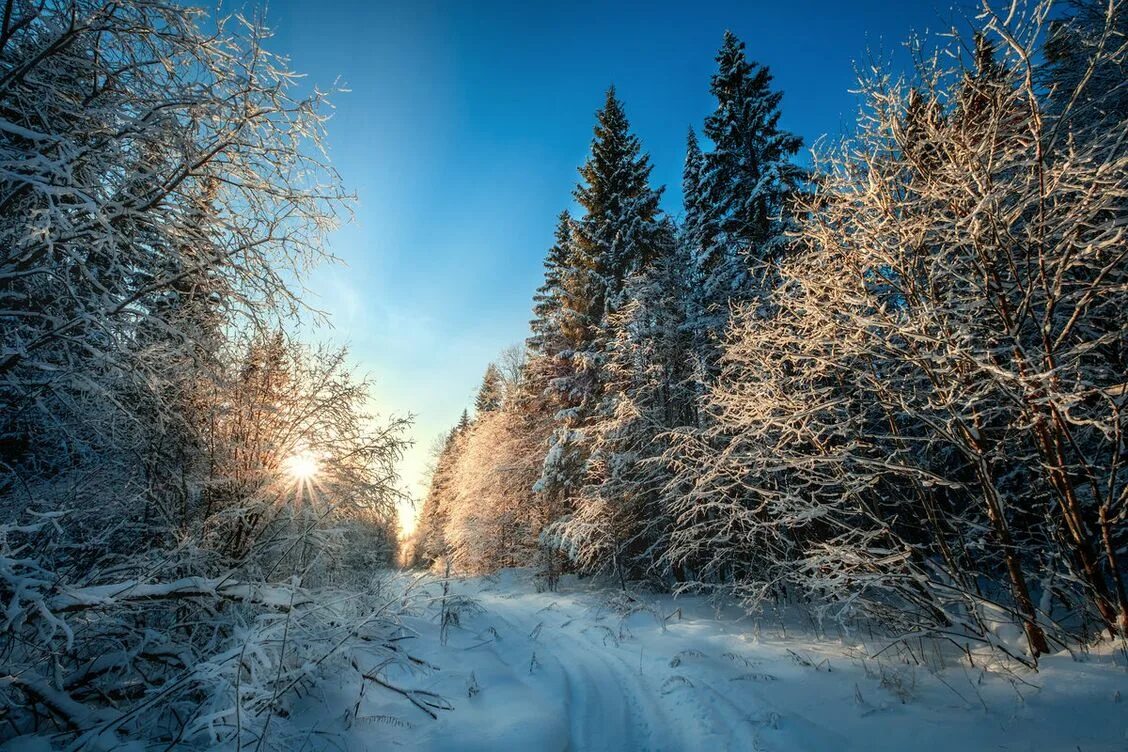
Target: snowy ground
[564, 671]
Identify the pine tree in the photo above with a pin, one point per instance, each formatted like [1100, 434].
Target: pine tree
[546, 338]
[619, 523]
[553, 328]
[748, 174]
[691, 246]
[431, 543]
[490, 393]
[745, 184]
[619, 232]
[619, 235]
[693, 198]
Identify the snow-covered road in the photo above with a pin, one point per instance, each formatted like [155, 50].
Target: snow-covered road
[583, 669]
[613, 695]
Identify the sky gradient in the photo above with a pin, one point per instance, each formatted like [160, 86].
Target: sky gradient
[464, 126]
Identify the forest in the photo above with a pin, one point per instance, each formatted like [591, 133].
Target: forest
[889, 385]
[882, 384]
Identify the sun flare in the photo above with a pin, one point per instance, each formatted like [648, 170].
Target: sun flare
[302, 466]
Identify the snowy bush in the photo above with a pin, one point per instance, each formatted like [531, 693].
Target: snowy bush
[196, 660]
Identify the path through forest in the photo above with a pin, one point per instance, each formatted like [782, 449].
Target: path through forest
[594, 669]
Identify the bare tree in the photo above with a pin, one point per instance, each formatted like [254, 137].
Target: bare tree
[162, 191]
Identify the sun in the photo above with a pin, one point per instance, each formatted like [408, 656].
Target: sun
[302, 466]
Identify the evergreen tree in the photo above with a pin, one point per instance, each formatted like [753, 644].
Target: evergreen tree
[546, 339]
[548, 346]
[490, 393]
[620, 229]
[744, 185]
[431, 544]
[463, 424]
[749, 174]
[691, 241]
[693, 198]
[619, 235]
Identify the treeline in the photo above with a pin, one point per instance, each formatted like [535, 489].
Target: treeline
[176, 471]
[891, 387]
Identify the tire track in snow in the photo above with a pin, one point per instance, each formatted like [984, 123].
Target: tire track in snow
[599, 710]
[718, 722]
[610, 704]
[598, 719]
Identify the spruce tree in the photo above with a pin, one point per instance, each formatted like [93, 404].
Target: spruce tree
[490, 393]
[547, 345]
[619, 232]
[546, 338]
[694, 302]
[748, 174]
[693, 198]
[745, 183]
[431, 545]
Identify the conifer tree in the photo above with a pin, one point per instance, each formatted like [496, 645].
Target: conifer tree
[748, 174]
[620, 229]
[545, 339]
[693, 198]
[620, 233]
[490, 393]
[548, 346]
[463, 424]
[431, 544]
[690, 241]
[744, 186]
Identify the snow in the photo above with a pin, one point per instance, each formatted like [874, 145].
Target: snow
[108, 595]
[592, 669]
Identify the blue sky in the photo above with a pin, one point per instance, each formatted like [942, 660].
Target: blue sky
[463, 130]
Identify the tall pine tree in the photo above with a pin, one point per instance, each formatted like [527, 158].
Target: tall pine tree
[620, 232]
[546, 339]
[621, 229]
[616, 245]
[740, 199]
[692, 228]
[490, 393]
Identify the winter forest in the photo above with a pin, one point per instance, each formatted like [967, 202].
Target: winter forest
[834, 457]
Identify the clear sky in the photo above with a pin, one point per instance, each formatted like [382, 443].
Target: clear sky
[463, 129]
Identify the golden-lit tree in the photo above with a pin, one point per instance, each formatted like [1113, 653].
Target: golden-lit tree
[929, 427]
